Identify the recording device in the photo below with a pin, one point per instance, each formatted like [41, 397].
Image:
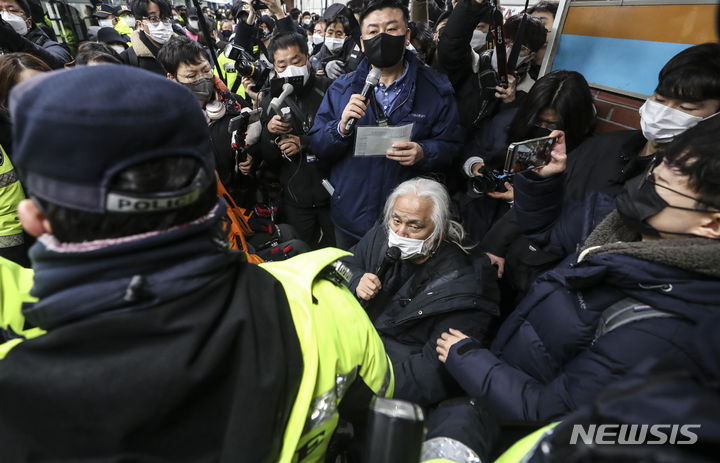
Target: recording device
[277, 84]
[258, 5]
[529, 154]
[391, 256]
[521, 156]
[370, 82]
[396, 430]
[245, 64]
[238, 128]
[276, 102]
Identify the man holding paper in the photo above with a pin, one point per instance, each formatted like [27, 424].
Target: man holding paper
[377, 153]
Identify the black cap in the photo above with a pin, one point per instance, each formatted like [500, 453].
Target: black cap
[109, 35]
[104, 10]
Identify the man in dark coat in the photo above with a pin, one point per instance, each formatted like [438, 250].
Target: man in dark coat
[435, 285]
[19, 34]
[154, 29]
[408, 93]
[647, 274]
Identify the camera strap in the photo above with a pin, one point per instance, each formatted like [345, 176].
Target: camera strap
[305, 119]
[517, 45]
[498, 31]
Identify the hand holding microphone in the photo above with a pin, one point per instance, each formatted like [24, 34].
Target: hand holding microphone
[371, 284]
[357, 105]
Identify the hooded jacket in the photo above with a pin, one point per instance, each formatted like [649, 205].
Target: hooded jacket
[546, 360]
[449, 290]
[363, 183]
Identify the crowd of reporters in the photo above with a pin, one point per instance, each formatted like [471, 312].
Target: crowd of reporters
[504, 286]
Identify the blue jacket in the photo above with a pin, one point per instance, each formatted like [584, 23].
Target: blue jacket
[362, 184]
[545, 361]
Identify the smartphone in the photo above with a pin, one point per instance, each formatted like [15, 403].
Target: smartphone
[529, 154]
[242, 121]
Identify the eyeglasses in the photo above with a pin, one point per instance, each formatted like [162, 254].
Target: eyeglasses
[194, 77]
[158, 20]
[13, 10]
[547, 125]
[649, 177]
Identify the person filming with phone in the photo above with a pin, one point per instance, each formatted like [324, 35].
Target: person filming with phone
[644, 274]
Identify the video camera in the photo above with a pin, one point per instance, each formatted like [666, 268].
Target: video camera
[521, 156]
[246, 65]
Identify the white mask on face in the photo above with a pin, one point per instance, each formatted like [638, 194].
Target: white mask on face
[334, 44]
[292, 71]
[18, 24]
[130, 21]
[105, 23]
[306, 22]
[159, 32]
[661, 124]
[317, 38]
[409, 247]
[493, 59]
[118, 48]
[193, 23]
[478, 39]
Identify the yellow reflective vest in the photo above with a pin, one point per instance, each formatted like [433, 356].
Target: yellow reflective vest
[15, 284]
[339, 344]
[11, 193]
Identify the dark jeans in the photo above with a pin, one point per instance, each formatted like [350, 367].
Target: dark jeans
[343, 240]
[312, 224]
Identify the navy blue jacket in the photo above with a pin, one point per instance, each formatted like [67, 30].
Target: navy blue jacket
[544, 363]
[449, 290]
[363, 183]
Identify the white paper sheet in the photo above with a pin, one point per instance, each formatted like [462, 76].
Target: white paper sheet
[375, 141]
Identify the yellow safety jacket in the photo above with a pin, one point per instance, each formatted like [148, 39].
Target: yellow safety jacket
[229, 76]
[15, 284]
[11, 193]
[339, 345]
[123, 29]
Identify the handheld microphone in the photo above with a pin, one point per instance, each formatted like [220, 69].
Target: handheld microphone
[391, 256]
[287, 89]
[372, 80]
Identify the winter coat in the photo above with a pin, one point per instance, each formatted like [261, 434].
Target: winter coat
[317, 60]
[363, 183]
[545, 361]
[143, 54]
[449, 290]
[38, 44]
[301, 176]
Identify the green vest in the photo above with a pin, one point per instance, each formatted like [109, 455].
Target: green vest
[229, 76]
[11, 193]
[16, 281]
[339, 345]
[123, 29]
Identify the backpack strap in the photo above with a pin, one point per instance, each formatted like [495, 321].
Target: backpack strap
[133, 57]
[626, 311]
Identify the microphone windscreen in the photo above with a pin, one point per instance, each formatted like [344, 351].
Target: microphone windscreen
[393, 254]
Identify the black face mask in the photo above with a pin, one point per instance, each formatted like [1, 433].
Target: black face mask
[203, 89]
[635, 204]
[226, 34]
[385, 50]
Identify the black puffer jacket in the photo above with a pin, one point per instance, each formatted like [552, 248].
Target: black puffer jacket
[38, 44]
[300, 175]
[449, 290]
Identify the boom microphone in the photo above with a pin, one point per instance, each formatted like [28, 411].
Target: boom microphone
[372, 80]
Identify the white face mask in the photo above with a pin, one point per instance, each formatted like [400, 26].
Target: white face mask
[193, 23]
[661, 124]
[409, 247]
[105, 23]
[159, 32]
[478, 39]
[130, 21]
[334, 45]
[306, 22]
[17, 23]
[292, 71]
[317, 38]
[118, 48]
[493, 59]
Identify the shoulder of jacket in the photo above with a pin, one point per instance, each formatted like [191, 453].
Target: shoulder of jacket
[439, 81]
[343, 82]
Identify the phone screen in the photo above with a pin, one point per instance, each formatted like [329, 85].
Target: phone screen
[529, 154]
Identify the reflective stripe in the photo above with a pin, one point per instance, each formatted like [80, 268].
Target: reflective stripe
[322, 410]
[8, 178]
[386, 381]
[448, 449]
[343, 382]
[11, 240]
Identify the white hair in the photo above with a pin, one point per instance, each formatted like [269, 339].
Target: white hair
[425, 188]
